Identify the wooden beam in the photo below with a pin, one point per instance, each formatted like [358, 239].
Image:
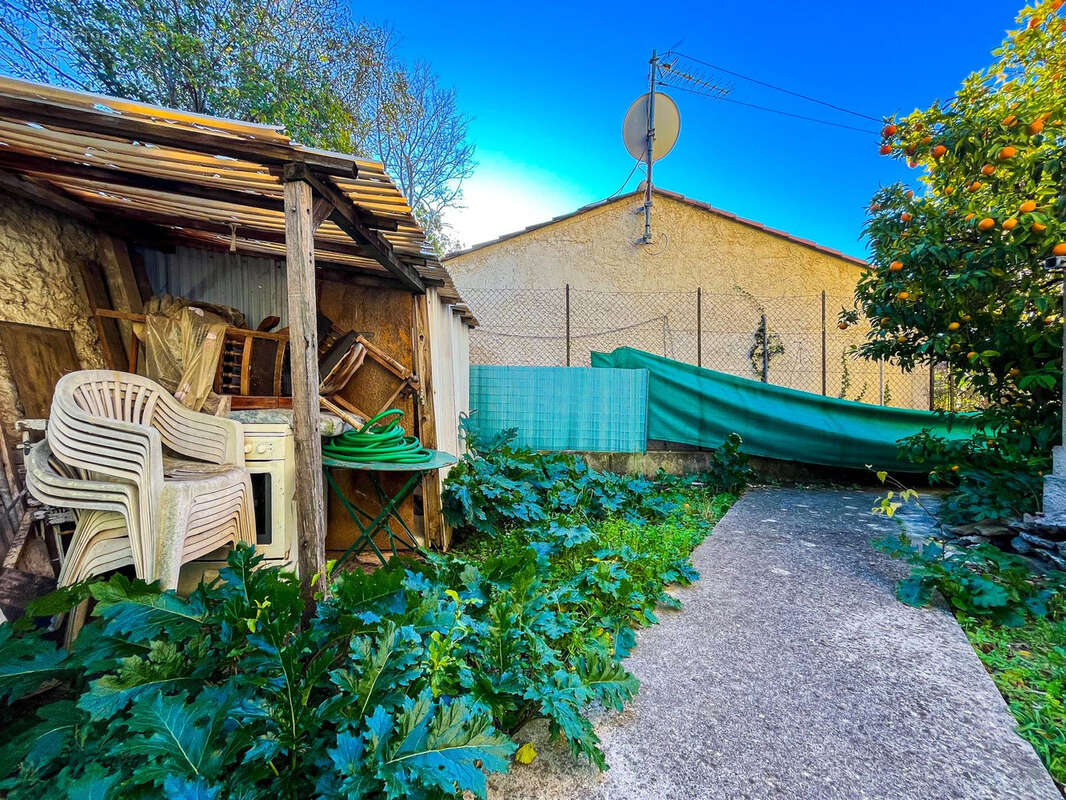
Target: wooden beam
[352, 220]
[58, 201]
[160, 133]
[303, 360]
[46, 167]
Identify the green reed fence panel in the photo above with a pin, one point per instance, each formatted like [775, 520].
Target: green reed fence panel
[563, 408]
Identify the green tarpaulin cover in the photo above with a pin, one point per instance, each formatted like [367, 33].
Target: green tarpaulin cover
[691, 405]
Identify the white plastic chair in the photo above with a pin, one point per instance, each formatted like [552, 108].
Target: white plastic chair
[108, 431]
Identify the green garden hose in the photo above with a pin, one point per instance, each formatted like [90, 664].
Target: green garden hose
[378, 441]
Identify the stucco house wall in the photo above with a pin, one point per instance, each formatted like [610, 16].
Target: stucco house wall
[626, 293]
[40, 284]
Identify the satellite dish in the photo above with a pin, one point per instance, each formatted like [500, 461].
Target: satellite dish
[667, 127]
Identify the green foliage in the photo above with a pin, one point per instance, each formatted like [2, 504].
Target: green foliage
[406, 682]
[226, 695]
[993, 475]
[972, 287]
[1028, 665]
[496, 486]
[980, 581]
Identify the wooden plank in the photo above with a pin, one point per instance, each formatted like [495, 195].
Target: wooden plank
[18, 588]
[130, 129]
[45, 167]
[303, 361]
[437, 533]
[44, 195]
[38, 358]
[92, 279]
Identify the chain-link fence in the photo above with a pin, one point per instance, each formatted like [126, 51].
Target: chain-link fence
[789, 340]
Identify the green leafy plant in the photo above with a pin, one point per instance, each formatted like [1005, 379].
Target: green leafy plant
[496, 486]
[981, 581]
[406, 682]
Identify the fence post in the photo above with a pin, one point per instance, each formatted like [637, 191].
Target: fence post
[932, 386]
[765, 349]
[823, 344]
[699, 326]
[568, 324]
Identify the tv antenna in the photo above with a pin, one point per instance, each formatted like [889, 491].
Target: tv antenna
[653, 122]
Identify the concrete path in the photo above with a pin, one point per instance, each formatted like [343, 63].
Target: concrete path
[793, 672]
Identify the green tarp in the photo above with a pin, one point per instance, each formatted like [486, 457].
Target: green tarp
[690, 405]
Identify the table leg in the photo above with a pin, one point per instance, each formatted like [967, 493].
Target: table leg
[366, 533]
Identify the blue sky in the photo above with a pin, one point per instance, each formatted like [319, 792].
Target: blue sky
[547, 86]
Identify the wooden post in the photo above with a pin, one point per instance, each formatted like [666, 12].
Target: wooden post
[699, 326]
[568, 324]
[823, 345]
[303, 355]
[437, 534]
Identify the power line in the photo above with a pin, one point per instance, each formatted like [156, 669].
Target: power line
[776, 88]
[772, 110]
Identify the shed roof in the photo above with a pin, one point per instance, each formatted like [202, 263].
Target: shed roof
[674, 196]
[202, 180]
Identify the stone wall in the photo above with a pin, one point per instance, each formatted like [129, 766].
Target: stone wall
[40, 284]
[626, 293]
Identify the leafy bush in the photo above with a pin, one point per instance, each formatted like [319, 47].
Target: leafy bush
[496, 486]
[993, 475]
[406, 682]
[981, 581]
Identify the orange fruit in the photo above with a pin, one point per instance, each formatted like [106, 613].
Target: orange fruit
[927, 139]
[969, 216]
[988, 169]
[1027, 206]
[1038, 227]
[912, 163]
[1010, 121]
[1008, 152]
[954, 467]
[906, 216]
[939, 150]
[842, 325]
[910, 194]
[954, 326]
[1015, 372]
[949, 190]
[904, 295]
[1035, 127]
[889, 130]
[986, 224]
[885, 149]
[973, 187]
[965, 317]
[895, 266]
[1059, 249]
[971, 355]
[1010, 224]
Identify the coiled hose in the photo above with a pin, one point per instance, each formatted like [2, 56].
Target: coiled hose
[378, 441]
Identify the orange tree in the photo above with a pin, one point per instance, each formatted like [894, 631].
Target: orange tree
[963, 270]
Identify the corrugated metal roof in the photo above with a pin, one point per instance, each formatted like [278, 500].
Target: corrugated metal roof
[205, 180]
[674, 196]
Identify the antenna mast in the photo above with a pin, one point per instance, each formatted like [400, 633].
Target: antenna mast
[654, 65]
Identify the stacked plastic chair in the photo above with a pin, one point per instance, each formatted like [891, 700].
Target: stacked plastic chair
[153, 484]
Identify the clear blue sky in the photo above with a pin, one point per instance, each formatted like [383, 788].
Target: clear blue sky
[547, 86]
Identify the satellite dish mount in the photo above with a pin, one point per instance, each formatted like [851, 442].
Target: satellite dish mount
[650, 130]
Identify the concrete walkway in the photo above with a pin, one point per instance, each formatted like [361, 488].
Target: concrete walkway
[793, 672]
